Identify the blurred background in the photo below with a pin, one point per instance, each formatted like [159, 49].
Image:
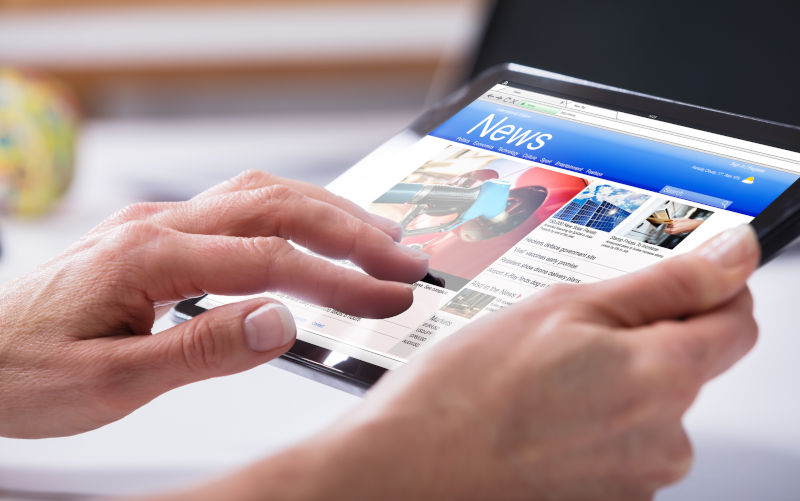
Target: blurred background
[176, 95]
[108, 102]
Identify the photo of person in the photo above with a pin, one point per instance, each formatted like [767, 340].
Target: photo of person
[465, 208]
[669, 224]
[601, 206]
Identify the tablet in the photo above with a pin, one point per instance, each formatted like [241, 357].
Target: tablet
[528, 178]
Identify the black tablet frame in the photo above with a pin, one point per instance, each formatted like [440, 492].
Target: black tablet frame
[776, 226]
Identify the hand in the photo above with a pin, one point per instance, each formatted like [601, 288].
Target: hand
[574, 394]
[682, 225]
[75, 344]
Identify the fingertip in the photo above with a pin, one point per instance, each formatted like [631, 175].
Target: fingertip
[733, 249]
[419, 262]
[388, 226]
[269, 327]
[403, 298]
[398, 263]
[389, 300]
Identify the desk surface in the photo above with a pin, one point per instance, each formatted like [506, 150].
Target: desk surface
[745, 424]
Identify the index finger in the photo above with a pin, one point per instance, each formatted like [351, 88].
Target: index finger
[280, 211]
[253, 179]
[171, 265]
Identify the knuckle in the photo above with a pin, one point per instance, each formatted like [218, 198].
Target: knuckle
[137, 232]
[276, 251]
[358, 235]
[137, 211]
[251, 177]
[277, 207]
[126, 252]
[275, 248]
[278, 194]
[678, 456]
[200, 349]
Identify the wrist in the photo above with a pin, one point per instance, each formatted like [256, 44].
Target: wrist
[372, 459]
[382, 457]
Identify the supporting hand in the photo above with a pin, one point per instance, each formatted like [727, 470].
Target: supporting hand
[574, 394]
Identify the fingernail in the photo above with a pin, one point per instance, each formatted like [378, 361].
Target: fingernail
[269, 327]
[732, 247]
[390, 227]
[413, 252]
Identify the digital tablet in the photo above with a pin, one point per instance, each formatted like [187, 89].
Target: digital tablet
[528, 178]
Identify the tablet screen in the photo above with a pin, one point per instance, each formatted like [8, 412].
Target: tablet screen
[523, 189]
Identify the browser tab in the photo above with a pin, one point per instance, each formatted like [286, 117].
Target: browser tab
[538, 107]
[594, 110]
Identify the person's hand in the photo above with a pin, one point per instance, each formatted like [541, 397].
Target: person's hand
[75, 344]
[682, 225]
[574, 394]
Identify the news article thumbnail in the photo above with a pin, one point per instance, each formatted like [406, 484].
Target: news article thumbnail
[468, 303]
[465, 208]
[669, 224]
[601, 207]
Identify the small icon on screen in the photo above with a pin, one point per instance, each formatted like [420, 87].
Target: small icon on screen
[749, 180]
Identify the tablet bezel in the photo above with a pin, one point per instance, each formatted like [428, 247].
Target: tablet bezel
[776, 226]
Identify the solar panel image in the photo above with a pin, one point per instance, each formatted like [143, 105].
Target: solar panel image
[569, 211]
[601, 207]
[607, 217]
[585, 212]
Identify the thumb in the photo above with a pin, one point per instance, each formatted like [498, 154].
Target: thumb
[680, 286]
[225, 340]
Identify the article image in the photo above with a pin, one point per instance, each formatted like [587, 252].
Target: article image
[601, 207]
[468, 303]
[669, 224]
[465, 208]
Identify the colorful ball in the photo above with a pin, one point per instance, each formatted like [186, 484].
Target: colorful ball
[38, 130]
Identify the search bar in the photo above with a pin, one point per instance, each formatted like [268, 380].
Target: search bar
[695, 197]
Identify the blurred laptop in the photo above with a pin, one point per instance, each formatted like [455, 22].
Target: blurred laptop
[733, 56]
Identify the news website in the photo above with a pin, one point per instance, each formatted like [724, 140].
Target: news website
[521, 190]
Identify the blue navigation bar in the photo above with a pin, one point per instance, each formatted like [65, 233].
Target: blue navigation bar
[635, 161]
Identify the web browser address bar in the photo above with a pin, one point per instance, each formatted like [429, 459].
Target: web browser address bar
[682, 141]
[649, 128]
[711, 137]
